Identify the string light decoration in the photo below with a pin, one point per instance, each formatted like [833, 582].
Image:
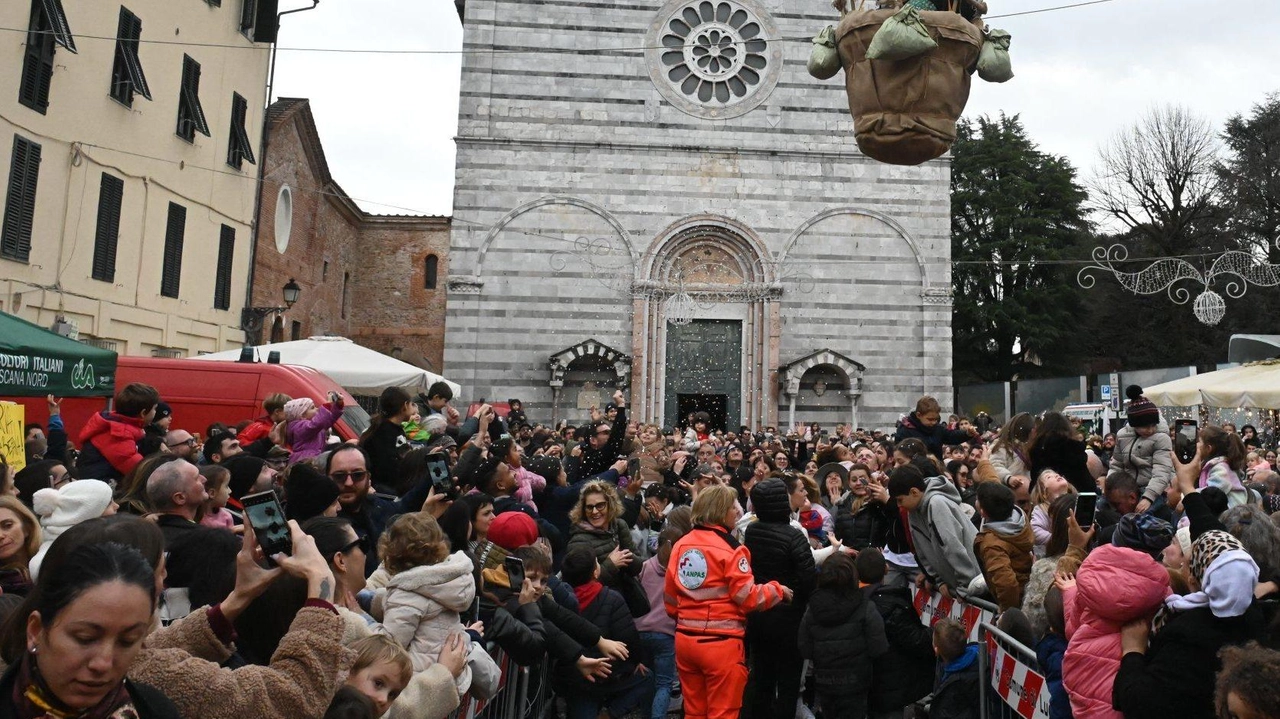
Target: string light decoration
[1237, 270]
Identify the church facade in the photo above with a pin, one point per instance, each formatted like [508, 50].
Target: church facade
[656, 196]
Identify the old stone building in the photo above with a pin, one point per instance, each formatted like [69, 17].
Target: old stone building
[377, 279]
[658, 197]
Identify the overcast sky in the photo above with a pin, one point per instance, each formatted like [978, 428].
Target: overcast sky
[388, 121]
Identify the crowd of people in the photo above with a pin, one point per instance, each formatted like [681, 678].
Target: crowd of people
[635, 569]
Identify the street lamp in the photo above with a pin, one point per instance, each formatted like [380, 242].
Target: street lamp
[252, 318]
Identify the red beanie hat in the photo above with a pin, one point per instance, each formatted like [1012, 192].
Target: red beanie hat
[510, 530]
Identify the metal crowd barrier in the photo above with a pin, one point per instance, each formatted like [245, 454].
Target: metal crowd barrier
[523, 693]
[1012, 685]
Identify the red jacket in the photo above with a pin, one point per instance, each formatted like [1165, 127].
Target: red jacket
[260, 428]
[709, 586]
[109, 439]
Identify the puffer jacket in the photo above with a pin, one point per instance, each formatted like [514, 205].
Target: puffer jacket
[109, 446]
[904, 673]
[1114, 586]
[423, 607]
[841, 634]
[1004, 553]
[910, 427]
[943, 535]
[779, 551]
[868, 527]
[602, 542]
[1149, 460]
[1217, 473]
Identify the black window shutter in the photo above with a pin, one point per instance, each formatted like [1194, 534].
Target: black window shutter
[37, 61]
[248, 13]
[191, 117]
[58, 23]
[238, 146]
[110, 198]
[171, 275]
[226, 253]
[266, 23]
[20, 202]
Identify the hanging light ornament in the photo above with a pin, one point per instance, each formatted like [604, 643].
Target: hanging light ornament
[1238, 269]
[678, 309]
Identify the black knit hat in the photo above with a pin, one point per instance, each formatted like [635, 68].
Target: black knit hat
[1142, 411]
[244, 471]
[307, 492]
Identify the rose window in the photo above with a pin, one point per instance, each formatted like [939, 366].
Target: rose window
[713, 58]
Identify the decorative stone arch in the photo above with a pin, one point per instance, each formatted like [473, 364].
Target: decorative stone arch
[687, 233]
[887, 220]
[560, 362]
[789, 378]
[511, 216]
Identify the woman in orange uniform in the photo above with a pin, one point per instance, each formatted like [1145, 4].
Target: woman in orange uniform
[709, 591]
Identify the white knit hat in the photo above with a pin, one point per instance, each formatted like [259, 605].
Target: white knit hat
[76, 502]
[295, 408]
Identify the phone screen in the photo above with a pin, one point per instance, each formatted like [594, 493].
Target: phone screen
[1086, 504]
[266, 516]
[1186, 432]
[515, 572]
[438, 470]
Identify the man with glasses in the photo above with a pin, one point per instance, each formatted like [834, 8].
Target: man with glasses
[603, 447]
[182, 444]
[368, 511]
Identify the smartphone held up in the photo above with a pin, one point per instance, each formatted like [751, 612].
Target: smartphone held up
[1185, 434]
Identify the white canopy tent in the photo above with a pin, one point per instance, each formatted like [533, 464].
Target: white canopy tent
[358, 369]
[1252, 385]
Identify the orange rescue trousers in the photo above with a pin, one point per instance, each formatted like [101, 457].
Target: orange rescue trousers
[713, 674]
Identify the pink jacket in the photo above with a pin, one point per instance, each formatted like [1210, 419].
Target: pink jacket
[1114, 586]
[306, 437]
[526, 484]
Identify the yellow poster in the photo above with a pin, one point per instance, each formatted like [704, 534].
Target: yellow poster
[12, 434]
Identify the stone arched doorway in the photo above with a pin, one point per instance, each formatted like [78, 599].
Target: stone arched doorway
[825, 386]
[584, 376]
[706, 301]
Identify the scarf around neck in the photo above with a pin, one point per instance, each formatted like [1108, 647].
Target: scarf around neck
[587, 593]
[32, 699]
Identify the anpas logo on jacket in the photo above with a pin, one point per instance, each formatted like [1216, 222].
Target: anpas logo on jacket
[692, 569]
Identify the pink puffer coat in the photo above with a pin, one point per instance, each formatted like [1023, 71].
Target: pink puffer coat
[1113, 586]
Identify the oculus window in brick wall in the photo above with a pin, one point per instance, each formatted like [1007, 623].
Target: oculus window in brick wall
[127, 77]
[713, 59]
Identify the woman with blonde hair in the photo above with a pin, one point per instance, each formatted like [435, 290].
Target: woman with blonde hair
[710, 590]
[597, 524]
[1009, 451]
[19, 543]
[1049, 486]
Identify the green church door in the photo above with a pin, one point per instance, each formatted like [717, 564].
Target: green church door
[704, 372]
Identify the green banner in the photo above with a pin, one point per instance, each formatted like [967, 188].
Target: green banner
[35, 362]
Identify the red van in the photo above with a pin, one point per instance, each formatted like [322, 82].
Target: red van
[202, 392]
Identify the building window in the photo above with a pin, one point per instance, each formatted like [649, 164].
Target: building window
[110, 198]
[190, 114]
[258, 19]
[324, 271]
[295, 330]
[430, 271]
[238, 147]
[48, 25]
[20, 203]
[175, 230]
[346, 282]
[126, 73]
[222, 282]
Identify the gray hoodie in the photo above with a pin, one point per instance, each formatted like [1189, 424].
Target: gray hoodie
[943, 535]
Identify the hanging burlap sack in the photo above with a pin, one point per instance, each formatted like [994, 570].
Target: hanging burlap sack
[824, 58]
[905, 111]
[901, 36]
[994, 64]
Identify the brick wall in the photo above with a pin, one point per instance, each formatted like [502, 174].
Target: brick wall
[362, 275]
